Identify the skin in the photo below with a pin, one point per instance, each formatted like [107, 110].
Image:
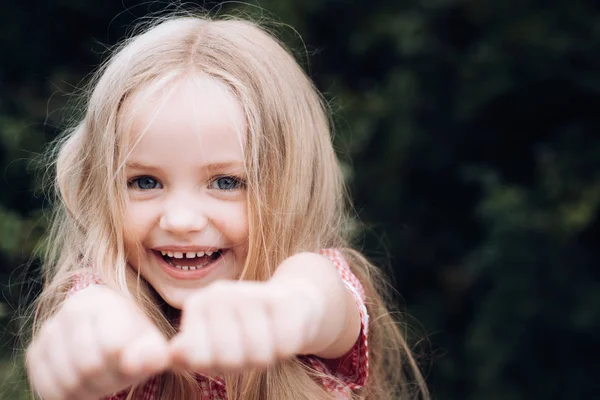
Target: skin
[186, 188]
[99, 342]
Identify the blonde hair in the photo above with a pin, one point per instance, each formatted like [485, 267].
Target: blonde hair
[296, 196]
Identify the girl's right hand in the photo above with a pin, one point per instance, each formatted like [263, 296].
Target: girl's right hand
[97, 344]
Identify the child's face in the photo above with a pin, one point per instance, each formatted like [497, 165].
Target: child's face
[186, 186]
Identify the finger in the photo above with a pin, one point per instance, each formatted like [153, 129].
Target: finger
[114, 333]
[42, 380]
[46, 387]
[44, 375]
[226, 339]
[89, 361]
[61, 356]
[146, 356]
[191, 348]
[258, 338]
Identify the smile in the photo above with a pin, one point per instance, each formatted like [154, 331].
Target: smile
[190, 260]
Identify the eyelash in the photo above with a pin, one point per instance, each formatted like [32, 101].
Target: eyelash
[133, 181]
[238, 182]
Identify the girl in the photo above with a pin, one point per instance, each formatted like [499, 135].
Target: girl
[198, 248]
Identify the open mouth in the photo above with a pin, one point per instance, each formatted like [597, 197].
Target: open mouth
[191, 261]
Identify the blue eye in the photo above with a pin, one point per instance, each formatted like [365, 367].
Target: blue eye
[144, 183]
[226, 183]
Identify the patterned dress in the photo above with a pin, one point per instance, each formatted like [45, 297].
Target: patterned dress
[340, 377]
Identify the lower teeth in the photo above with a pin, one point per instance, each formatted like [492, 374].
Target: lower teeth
[188, 268]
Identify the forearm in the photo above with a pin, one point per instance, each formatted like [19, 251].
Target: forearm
[338, 325]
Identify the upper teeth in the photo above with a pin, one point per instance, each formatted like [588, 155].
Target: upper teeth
[189, 254]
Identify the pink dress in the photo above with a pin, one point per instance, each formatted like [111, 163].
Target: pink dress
[342, 376]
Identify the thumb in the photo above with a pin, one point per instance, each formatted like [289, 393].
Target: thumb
[147, 355]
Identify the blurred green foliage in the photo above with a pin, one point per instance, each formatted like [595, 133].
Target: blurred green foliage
[469, 130]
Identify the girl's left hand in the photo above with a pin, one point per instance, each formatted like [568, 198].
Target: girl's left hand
[233, 325]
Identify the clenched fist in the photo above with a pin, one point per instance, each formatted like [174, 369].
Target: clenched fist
[98, 343]
[233, 325]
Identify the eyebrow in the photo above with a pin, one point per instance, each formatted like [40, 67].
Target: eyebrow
[222, 165]
[135, 165]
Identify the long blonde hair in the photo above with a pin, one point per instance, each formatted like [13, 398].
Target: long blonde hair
[296, 196]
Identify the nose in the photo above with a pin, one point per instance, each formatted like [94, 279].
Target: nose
[183, 215]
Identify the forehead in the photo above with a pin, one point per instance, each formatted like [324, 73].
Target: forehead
[195, 109]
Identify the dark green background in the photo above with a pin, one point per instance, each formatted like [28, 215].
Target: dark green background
[470, 133]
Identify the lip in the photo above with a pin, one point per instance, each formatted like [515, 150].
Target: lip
[188, 275]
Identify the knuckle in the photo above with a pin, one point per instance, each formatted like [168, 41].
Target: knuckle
[198, 357]
[197, 363]
[90, 368]
[74, 396]
[232, 360]
[233, 363]
[71, 385]
[46, 388]
[262, 359]
[112, 344]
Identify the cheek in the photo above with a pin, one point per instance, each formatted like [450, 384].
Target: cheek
[241, 223]
[137, 223]
[234, 223]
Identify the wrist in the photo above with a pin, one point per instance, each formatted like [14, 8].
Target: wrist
[313, 280]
